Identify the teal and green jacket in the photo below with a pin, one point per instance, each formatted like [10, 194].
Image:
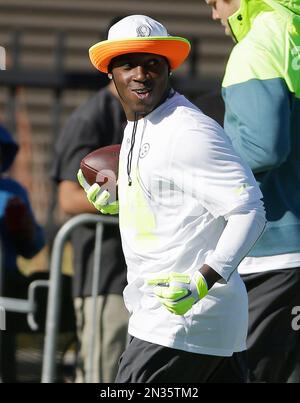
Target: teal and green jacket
[261, 89]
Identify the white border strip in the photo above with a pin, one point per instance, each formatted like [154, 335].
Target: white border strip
[2, 58]
[2, 318]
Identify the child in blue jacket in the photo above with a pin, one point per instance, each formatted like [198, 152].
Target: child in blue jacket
[20, 235]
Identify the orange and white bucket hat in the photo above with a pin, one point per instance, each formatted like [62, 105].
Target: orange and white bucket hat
[139, 34]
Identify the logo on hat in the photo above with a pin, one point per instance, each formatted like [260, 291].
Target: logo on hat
[143, 31]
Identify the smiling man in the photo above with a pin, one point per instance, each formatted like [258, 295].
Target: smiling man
[189, 212]
[261, 91]
[141, 95]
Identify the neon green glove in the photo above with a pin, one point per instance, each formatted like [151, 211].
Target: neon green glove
[179, 292]
[98, 198]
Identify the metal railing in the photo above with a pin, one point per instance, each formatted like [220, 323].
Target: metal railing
[18, 305]
[54, 295]
[27, 306]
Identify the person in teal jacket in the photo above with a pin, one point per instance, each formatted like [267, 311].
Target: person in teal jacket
[261, 90]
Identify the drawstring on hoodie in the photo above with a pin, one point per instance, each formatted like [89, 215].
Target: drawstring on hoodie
[171, 93]
[130, 153]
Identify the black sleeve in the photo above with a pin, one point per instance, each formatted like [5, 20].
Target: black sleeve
[78, 138]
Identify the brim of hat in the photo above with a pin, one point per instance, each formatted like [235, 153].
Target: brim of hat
[174, 48]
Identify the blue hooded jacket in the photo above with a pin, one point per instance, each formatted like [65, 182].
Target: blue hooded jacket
[9, 188]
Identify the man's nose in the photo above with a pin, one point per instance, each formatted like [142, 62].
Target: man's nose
[140, 73]
[215, 15]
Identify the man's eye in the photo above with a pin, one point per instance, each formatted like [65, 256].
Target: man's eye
[212, 4]
[153, 62]
[127, 66]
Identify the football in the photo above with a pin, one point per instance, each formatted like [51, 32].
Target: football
[101, 166]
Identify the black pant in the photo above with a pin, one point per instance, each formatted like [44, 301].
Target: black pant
[273, 346]
[144, 362]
